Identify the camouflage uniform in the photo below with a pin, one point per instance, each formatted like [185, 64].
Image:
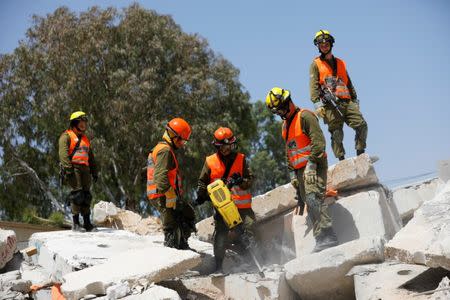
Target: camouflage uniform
[313, 195]
[349, 108]
[178, 223]
[221, 230]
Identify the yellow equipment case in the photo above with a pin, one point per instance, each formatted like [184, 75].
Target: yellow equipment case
[221, 199]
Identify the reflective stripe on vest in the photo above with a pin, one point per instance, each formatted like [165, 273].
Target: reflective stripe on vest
[81, 155]
[242, 198]
[298, 144]
[173, 176]
[338, 82]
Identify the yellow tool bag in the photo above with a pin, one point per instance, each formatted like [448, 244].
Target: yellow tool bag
[221, 199]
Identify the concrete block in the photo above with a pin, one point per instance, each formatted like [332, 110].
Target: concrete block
[409, 199]
[155, 292]
[365, 214]
[444, 170]
[352, 173]
[58, 255]
[383, 281]
[274, 202]
[34, 273]
[152, 264]
[426, 238]
[323, 275]
[8, 245]
[443, 290]
[149, 225]
[103, 211]
[239, 286]
[21, 285]
[279, 201]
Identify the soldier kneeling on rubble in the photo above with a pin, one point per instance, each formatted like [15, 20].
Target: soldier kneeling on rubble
[231, 167]
[77, 166]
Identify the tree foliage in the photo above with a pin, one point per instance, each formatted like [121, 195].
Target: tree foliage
[131, 71]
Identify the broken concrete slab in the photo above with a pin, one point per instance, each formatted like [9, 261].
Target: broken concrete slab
[278, 201]
[106, 214]
[444, 170]
[151, 263]
[58, 256]
[442, 292]
[408, 199]
[384, 281]
[8, 246]
[234, 286]
[364, 214]
[34, 273]
[323, 275]
[103, 211]
[352, 173]
[155, 292]
[274, 202]
[426, 238]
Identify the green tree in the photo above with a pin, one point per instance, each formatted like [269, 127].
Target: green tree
[131, 71]
[268, 156]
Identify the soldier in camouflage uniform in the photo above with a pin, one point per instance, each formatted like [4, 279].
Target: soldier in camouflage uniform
[330, 82]
[307, 161]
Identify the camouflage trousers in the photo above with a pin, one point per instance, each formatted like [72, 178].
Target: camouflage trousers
[353, 118]
[221, 231]
[313, 195]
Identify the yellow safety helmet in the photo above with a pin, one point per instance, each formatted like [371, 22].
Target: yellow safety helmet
[77, 115]
[277, 97]
[323, 36]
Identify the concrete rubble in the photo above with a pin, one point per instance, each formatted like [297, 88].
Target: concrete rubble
[127, 260]
[364, 214]
[155, 292]
[8, 246]
[106, 214]
[384, 281]
[234, 286]
[322, 275]
[426, 238]
[352, 173]
[151, 263]
[408, 199]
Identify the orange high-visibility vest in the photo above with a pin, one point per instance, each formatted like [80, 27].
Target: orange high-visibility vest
[81, 155]
[173, 175]
[298, 144]
[338, 82]
[242, 198]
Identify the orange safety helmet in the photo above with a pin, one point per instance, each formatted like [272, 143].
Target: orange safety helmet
[224, 136]
[179, 128]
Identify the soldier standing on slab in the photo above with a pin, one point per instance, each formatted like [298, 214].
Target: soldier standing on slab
[78, 164]
[307, 162]
[334, 96]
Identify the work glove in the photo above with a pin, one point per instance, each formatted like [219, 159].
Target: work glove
[180, 205]
[95, 178]
[310, 174]
[294, 179]
[236, 179]
[320, 111]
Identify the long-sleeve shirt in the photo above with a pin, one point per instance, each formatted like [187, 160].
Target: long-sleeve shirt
[64, 145]
[164, 163]
[314, 85]
[310, 127]
[205, 175]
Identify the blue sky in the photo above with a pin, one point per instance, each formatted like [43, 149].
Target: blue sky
[397, 54]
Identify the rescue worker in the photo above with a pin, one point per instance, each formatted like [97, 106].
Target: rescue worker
[329, 80]
[78, 166]
[230, 166]
[164, 185]
[307, 162]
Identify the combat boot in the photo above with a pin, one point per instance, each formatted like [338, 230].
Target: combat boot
[88, 225]
[76, 224]
[326, 239]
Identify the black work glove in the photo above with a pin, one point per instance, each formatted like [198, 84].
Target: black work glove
[236, 179]
[95, 178]
[180, 205]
